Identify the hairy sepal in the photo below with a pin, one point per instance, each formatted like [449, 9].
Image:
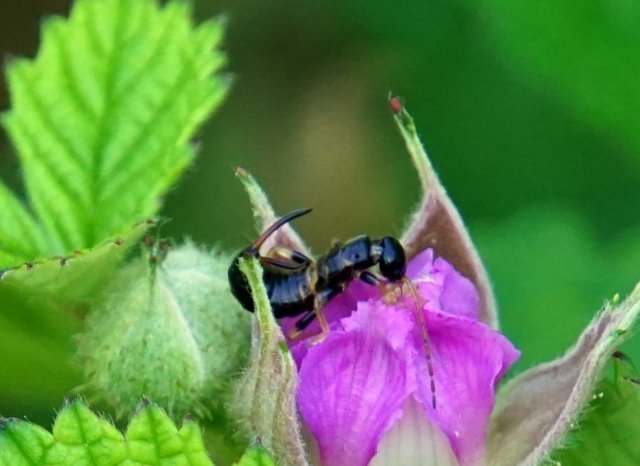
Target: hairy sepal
[265, 216]
[537, 409]
[437, 223]
[264, 401]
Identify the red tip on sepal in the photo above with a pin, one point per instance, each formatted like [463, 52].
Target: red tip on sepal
[395, 104]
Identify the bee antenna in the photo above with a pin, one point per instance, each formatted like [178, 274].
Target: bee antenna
[278, 224]
[425, 337]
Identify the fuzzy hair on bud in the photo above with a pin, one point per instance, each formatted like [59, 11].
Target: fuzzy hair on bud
[169, 331]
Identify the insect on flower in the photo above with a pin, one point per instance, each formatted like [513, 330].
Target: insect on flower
[299, 286]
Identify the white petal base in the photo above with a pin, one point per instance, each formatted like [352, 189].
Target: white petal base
[414, 441]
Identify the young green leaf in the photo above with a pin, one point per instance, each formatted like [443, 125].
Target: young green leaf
[74, 278]
[21, 238]
[22, 443]
[608, 431]
[102, 121]
[82, 438]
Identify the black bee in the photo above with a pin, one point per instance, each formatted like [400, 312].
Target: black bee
[298, 286]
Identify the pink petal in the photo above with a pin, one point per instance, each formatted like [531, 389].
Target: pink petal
[351, 389]
[469, 358]
[421, 264]
[442, 287]
[392, 324]
[458, 296]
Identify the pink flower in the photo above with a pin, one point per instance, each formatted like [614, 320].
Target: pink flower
[360, 382]
[364, 392]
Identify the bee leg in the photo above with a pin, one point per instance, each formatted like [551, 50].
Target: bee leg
[322, 298]
[322, 320]
[370, 279]
[300, 325]
[292, 256]
[300, 258]
[389, 290]
[305, 321]
[281, 264]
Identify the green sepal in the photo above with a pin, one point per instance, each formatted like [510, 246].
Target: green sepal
[265, 215]
[264, 398]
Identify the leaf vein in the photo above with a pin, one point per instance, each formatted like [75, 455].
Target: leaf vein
[103, 124]
[69, 153]
[59, 225]
[149, 62]
[16, 442]
[80, 101]
[162, 109]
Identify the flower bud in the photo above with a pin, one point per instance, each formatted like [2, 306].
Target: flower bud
[168, 330]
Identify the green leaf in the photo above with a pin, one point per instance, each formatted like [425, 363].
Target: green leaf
[67, 282]
[264, 398]
[36, 303]
[22, 443]
[152, 437]
[608, 431]
[21, 238]
[37, 374]
[256, 456]
[102, 121]
[81, 438]
[169, 330]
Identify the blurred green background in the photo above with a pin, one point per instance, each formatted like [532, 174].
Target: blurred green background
[530, 112]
